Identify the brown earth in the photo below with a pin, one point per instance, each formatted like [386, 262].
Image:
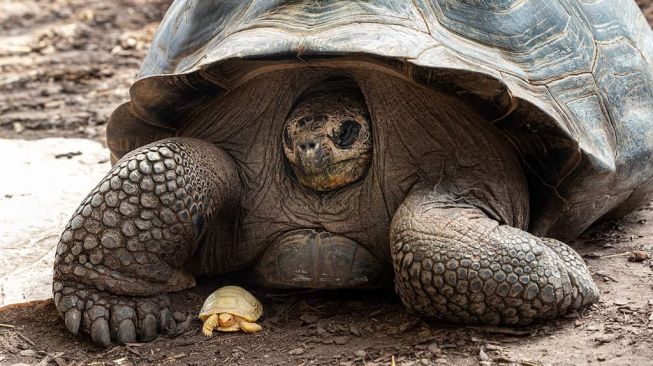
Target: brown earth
[64, 66]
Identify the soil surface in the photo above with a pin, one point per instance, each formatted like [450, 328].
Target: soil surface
[66, 64]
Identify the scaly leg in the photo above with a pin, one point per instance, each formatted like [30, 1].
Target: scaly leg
[142, 223]
[209, 324]
[452, 262]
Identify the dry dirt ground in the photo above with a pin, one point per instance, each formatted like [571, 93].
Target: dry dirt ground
[65, 64]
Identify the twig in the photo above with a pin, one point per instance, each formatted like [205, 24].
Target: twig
[7, 326]
[134, 351]
[501, 330]
[174, 357]
[68, 155]
[48, 358]
[616, 255]
[26, 339]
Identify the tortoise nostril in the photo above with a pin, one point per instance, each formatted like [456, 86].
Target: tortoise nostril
[311, 145]
[302, 147]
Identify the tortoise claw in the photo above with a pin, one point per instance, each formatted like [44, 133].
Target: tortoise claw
[108, 317]
[148, 328]
[73, 319]
[166, 323]
[100, 332]
[126, 332]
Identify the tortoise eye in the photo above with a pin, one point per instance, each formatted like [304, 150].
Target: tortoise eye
[287, 139]
[347, 134]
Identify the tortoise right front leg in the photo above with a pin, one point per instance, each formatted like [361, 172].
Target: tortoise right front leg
[142, 223]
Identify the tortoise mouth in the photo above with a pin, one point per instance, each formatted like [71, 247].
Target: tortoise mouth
[334, 175]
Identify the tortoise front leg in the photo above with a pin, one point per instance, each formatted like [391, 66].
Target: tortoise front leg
[452, 262]
[135, 230]
[210, 324]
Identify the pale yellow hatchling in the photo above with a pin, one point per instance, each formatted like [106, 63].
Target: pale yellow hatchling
[230, 309]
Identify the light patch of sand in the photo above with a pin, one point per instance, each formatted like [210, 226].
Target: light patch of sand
[38, 194]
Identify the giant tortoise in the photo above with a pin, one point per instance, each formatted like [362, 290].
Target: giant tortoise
[447, 145]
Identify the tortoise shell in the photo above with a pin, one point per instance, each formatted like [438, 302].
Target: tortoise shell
[569, 82]
[233, 300]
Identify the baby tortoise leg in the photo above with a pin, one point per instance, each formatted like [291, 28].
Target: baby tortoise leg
[248, 327]
[123, 246]
[454, 263]
[209, 324]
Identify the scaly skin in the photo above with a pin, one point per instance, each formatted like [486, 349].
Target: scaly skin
[134, 230]
[209, 324]
[452, 262]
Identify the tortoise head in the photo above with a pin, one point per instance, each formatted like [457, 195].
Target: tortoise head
[226, 320]
[327, 137]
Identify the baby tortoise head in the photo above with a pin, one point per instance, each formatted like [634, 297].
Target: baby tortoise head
[327, 137]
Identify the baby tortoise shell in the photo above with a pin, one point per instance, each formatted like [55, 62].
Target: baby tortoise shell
[229, 309]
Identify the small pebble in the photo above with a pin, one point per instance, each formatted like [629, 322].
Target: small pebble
[354, 330]
[341, 340]
[179, 316]
[424, 334]
[309, 318]
[621, 302]
[638, 256]
[27, 353]
[296, 351]
[483, 356]
[360, 353]
[433, 347]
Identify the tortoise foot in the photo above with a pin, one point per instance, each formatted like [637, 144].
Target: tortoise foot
[130, 238]
[111, 318]
[452, 262]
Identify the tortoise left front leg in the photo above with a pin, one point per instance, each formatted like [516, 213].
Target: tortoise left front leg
[453, 262]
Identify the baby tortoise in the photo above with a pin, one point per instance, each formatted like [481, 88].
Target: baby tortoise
[229, 309]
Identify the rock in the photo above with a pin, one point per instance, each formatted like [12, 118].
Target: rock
[360, 353]
[424, 334]
[404, 327]
[296, 351]
[27, 353]
[433, 347]
[354, 330]
[178, 316]
[18, 127]
[605, 338]
[482, 355]
[341, 340]
[308, 318]
[621, 302]
[638, 256]
[320, 330]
